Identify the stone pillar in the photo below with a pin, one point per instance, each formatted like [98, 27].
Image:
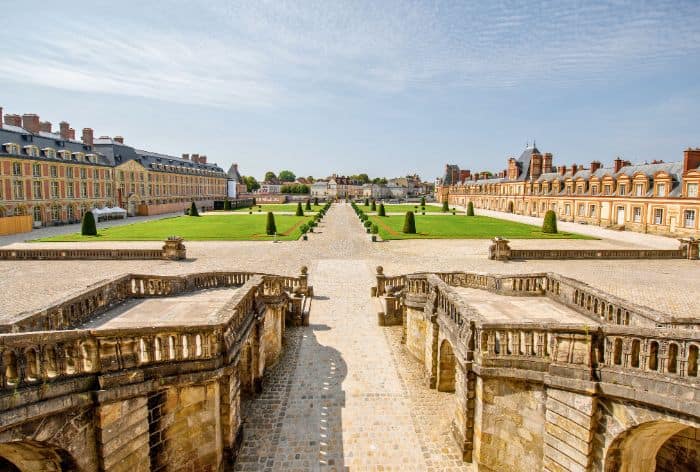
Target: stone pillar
[691, 247]
[123, 435]
[463, 423]
[569, 430]
[499, 250]
[231, 424]
[304, 279]
[381, 280]
[174, 249]
[431, 352]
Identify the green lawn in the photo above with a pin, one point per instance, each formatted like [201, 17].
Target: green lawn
[403, 208]
[203, 228]
[289, 207]
[463, 227]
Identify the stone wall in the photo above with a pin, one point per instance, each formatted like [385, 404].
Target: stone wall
[123, 435]
[416, 329]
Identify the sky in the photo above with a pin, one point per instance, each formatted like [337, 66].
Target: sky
[385, 87]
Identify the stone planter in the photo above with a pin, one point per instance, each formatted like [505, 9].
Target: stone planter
[374, 238]
[304, 237]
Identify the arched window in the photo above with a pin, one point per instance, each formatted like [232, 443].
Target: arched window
[617, 352]
[653, 355]
[672, 365]
[693, 361]
[635, 353]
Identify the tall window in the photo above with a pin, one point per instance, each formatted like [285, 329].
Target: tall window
[83, 189]
[54, 171]
[36, 170]
[582, 210]
[689, 218]
[592, 211]
[36, 189]
[639, 190]
[658, 216]
[37, 213]
[16, 168]
[69, 172]
[96, 190]
[54, 189]
[622, 189]
[606, 190]
[56, 213]
[637, 214]
[69, 190]
[567, 209]
[69, 212]
[18, 189]
[95, 174]
[692, 190]
[83, 173]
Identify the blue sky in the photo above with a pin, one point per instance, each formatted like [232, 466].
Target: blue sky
[386, 88]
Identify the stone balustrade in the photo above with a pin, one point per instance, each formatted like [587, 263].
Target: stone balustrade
[74, 311]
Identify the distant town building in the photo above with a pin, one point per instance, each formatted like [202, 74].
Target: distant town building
[657, 197]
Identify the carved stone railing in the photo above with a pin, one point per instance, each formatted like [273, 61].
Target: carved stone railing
[42, 356]
[74, 311]
[500, 250]
[596, 304]
[173, 249]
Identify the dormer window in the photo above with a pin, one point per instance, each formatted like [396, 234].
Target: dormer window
[79, 156]
[692, 190]
[623, 189]
[639, 190]
[31, 150]
[49, 152]
[11, 148]
[65, 154]
[661, 190]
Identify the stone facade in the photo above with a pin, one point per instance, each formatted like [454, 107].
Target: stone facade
[606, 389]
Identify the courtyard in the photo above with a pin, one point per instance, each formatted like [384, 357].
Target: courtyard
[345, 394]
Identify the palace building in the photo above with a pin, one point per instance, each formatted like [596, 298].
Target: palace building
[657, 197]
[55, 178]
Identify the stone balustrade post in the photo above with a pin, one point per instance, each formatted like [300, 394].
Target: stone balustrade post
[174, 249]
[303, 279]
[691, 246]
[381, 282]
[499, 250]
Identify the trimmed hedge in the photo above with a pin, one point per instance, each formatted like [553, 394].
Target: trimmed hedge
[550, 223]
[88, 228]
[409, 223]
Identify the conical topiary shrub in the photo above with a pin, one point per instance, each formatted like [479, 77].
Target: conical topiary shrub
[470, 209]
[550, 223]
[382, 211]
[409, 223]
[366, 202]
[374, 205]
[270, 227]
[315, 200]
[445, 206]
[193, 210]
[422, 201]
[308, 205]
[88, 227]
[299, 212]
[227, 205]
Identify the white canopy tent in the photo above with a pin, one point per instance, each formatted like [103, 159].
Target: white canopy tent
[108, 213]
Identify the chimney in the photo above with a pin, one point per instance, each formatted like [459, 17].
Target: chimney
[691, 159]
[617, 165]
[71, 134]
[0, 117]
[547, 162]
[30, 122]
[186, 157]
[64, 128]
[45, 126]
[535, 165]
[561, 170]
[119, 139]
[203, 159]
[87, 137]
[595, 165]
[13, 120]
[580, 167]
[573, 169]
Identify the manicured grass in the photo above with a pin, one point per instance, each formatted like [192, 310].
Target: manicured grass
[288, 207]
[463, 227]
[403, 209]
[203, 228]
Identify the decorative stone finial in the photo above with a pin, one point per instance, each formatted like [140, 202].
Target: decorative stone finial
[380, 270]
[304, 270]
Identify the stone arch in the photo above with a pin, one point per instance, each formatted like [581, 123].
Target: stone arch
[30, 456]
[447, 366]
[636, 449]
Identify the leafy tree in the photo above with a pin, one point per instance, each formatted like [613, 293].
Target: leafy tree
[88, 228]
[269, 176]
[380, 180]
[271, 227]
[470, 209]
[308, 205]
[299, 212]
[550, 222]
[193, 210]
[310, 179]
[381, 211]
[375, 229]
[295, 189]
[251, 183]
[287, 176]
[409, 223]
[445, 206]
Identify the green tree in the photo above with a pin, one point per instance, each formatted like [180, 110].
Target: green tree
[315, 200]
[445, 206]
[270, 227]
[287, 176]
[193, 210]
[88, 228]
[375, 229]
[251, 183]
[308, 205]
[470, 209]
[409, 223]
[269, 176]
[382, 210]
[366, 201]
[550, 222]
[299, 212]
[374, 205]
